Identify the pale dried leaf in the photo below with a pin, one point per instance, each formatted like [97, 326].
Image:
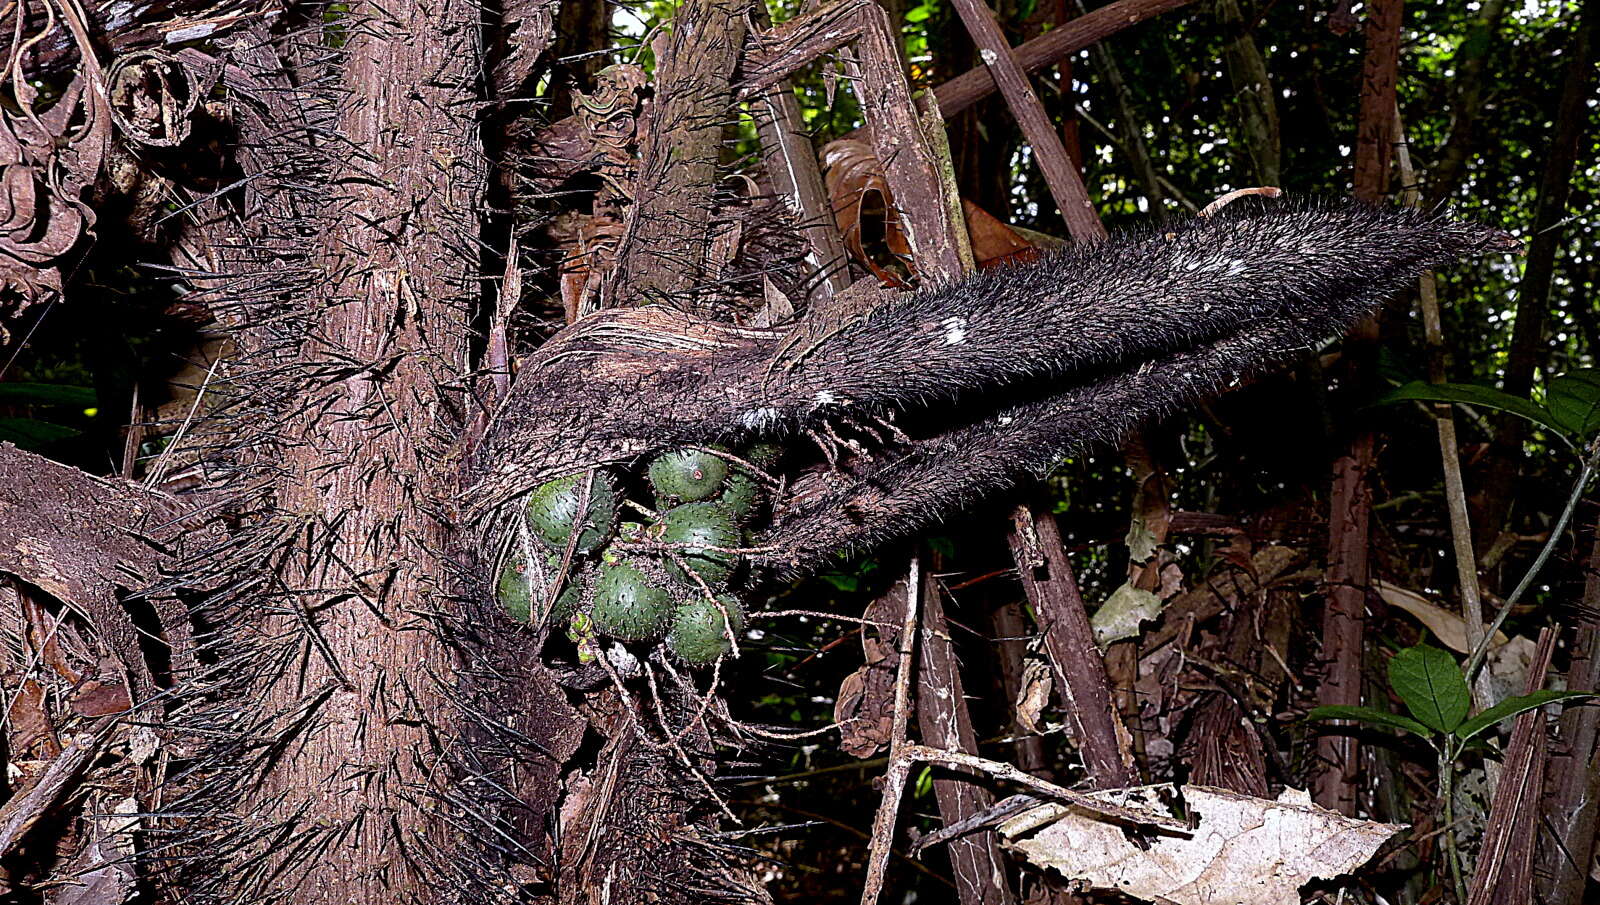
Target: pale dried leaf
[1244, 850]
[1123, 613]
[1141, 541]
[1507, 667]
[1449, 628]
[775, 306]
[1171, 581]
[103, 870]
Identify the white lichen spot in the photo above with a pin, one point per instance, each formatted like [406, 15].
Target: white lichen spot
[989, 56]
[955, 330]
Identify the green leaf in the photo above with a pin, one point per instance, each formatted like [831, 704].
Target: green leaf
[1510, 707]
[1472, 394]
[34, 435]
[1430, 683]
[845, 583]
[1574, 401]
[46, 394]
[1371, 716]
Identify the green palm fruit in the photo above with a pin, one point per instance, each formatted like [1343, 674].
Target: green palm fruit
[568, 603]
[515, 592]
[553, 507]
[764, 456]
[697, 635]
[521, 594]
[687, 475]
[743, 496]
[628, 604]
[518, 586]
[693, 527]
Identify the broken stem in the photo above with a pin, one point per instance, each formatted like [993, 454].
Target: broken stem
[894, 779]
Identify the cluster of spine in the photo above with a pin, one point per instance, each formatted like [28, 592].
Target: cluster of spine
[576, 560]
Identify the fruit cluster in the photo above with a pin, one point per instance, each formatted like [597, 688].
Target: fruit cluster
[674, 576]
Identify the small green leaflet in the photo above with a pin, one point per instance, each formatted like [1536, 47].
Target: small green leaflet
[47, 394]
[34, 435]
[1571, 406]
[1510, 707]
[1472, 394]
[1371, 716]
[1574, 401]
[1429, 681]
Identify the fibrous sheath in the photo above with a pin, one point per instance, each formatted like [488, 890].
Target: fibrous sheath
[1032, 362]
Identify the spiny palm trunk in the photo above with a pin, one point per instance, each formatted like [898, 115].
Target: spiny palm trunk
[368, 357]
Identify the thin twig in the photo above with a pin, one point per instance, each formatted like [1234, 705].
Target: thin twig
[1444, 419]
[894, 778]
[1556, 533]
[1095, 804]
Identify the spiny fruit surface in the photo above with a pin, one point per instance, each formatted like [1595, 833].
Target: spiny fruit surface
[521, 581]
[628, 605]
[742, 496]
[692, 528]
[697, 635]
[553, 508]
[521, 594]
[687, 475]
[764, 456]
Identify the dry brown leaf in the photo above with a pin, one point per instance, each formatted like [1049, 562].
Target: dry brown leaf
[152, 97]
[994, 243]
[865, 704]
[1449, 628]
[775, 306]
[50, 155]
[590, 254]
[863, 207]
[1034, 696]
[1244, 850]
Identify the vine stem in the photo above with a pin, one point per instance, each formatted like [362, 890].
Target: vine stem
[1452, 851]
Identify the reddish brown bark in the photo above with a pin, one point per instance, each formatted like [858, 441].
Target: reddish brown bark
[663, 249]
[1504, 873]
[1375, 122]
[1052, 591]
[1344, 619]
[1066, 185]
[943, 721]
[1350, 497]
[359, 713]
[1571, 804]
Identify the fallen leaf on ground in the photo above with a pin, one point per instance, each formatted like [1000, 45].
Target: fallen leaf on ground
[1244, 850]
